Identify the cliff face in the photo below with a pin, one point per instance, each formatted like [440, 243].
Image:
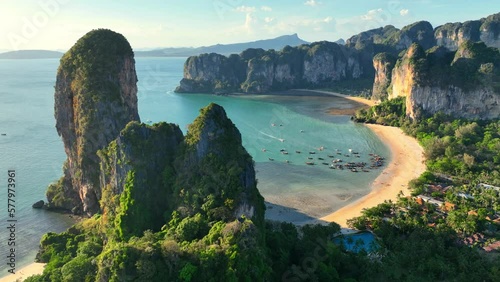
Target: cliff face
[150, 171]
[95, 97]
[462, 83]
[213, 145]
[490, 31]
[383, 64]
[391, 39]
[259, 71]
[138, 167]
[324, 62]
[451, 35]
[212, 72]
[481, 103]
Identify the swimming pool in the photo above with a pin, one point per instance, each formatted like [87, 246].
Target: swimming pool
[362, 241]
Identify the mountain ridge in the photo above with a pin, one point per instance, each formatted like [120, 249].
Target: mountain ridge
[226, 49]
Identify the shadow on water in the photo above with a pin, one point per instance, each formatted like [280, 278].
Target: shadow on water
[275, 212]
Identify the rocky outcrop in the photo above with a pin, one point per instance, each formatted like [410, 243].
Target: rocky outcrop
[212, 72]
[490, 31]
[420, 32]
[38, 204]
[383, 64]
[259, 71]
[138, 166]
[154, 170]
[213, 145]
[391, 39]
[328, 62]
[95, 97]
[451, 35]
[464, 83]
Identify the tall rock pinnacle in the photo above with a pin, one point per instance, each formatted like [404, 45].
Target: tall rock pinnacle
[95, 98]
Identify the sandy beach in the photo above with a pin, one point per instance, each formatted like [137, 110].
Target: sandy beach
[25, 272]
[407, 163]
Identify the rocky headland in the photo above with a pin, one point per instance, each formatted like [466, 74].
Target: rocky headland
[452, 68]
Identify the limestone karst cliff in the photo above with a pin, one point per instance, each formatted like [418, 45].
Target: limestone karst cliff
[137, 167]
[326, 64]
[95, 97]
[151, 171]
[464, 83]
[213, 145]
[449, 35]
[259, 71]
[383, 64]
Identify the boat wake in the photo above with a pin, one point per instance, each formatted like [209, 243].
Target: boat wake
[270, 136]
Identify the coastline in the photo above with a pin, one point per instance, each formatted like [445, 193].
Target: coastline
[407, 163]
[25, 272]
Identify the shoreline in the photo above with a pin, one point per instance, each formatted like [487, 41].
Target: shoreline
[25, 272]
[407, 163]
[359, 100]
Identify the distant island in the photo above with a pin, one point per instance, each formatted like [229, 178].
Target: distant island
[31, 54]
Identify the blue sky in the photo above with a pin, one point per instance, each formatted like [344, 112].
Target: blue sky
[57, 24]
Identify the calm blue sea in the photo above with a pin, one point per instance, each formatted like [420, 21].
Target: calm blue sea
[33, 149]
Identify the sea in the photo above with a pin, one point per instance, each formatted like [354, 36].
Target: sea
[269, 124]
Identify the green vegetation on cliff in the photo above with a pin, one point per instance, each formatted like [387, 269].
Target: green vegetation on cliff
[472, 66]
[172, 208]
[95, 97]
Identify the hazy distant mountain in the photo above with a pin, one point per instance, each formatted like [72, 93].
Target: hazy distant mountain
[341, 41]
[31, 54]
[225, 49]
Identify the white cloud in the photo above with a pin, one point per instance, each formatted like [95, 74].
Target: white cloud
[404, 12]
[268, 19]
[372, 14]
[312, 3]
[245, 9]
[328, 19]
[250, 21]
[266, 8]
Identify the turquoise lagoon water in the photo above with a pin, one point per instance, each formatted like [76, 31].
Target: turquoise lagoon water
[300, 192]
